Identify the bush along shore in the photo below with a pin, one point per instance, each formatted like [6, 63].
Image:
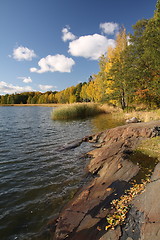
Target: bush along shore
[83, 110]
[76, 111]
[116, 203]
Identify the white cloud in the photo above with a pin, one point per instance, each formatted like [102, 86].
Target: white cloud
[90, 46]
[23, 53]
[109, 27]
[128, 40]
[56, 63]
[67, 35]
[25, 79]
[9, 88]
[46, 87]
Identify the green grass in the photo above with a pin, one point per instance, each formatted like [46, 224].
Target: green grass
[151, 147]
[76, 111]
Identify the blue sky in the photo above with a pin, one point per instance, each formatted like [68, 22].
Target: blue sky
[53, 44]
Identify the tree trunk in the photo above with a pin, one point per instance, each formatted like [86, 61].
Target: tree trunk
[123, 102]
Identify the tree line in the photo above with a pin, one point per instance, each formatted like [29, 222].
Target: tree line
[129, 73]
[28, 98]
[69, 95]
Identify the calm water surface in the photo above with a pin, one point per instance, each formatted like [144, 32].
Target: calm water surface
[36, 179]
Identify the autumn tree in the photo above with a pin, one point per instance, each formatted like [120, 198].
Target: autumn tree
[115, 68]
[83, 93]
[151, 56]
[144, 59]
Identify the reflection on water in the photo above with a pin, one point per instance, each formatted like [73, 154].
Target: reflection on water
[105, 121]
[146, 164]
[36, 179]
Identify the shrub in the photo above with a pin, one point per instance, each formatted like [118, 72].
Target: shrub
[76, 111]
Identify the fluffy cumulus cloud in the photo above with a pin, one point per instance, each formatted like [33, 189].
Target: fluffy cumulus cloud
[67, 35]
[23, 53]
[25, 79]
[56, 63]
[46, 87]
[9, 88]
[109, 27]
[90, 46]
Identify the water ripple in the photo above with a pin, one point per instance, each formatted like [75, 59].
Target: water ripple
[35, 178]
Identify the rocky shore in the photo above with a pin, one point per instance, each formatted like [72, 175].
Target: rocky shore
[84, 217]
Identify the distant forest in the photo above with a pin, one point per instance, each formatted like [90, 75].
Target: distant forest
[129, 73]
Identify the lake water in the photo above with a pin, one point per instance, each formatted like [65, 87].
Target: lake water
[36, 178]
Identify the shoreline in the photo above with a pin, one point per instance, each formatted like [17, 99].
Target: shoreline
[32, 105]
[84, 217]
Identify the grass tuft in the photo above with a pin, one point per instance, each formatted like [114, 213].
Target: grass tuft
[150, 147]
[76, 111]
